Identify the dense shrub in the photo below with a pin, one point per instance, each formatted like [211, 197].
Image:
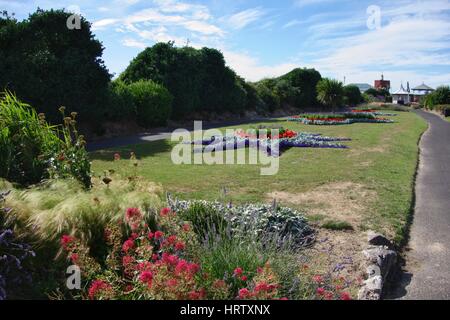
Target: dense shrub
[120, 104]
[153, 103]
[256, 221]
[48, 65]
[303, 83]
[197, 79]
[31, 150]
[352, 95]
[439, 97]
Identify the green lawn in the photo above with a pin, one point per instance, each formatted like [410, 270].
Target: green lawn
[369, 185]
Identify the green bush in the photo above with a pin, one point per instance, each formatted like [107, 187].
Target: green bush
[352, 95]
[153, 103]
[121, 105]
[31, 150]
[48, 65]
[198, 80]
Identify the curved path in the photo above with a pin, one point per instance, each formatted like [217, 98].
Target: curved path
[428, 259]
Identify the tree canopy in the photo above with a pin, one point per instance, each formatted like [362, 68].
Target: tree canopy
[48, 65]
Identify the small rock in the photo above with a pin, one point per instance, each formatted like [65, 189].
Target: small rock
[372, 289]
[377, 239]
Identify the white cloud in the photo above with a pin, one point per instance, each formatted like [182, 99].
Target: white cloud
[133, 43]
[252, 69]
[244, 18]
[103, 23]
[292, 23]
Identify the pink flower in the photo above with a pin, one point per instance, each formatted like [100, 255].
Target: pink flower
[284, 299]
[127, 261]
[238, 272]
[180, 246]
[158, 235]
[328, 295]
[150, 235]
[320, 291]
[244, 278]
[171, 282]
[186, 227]
[127, 245]
[134, 236]
[259, 270]
[146, 277]
[244, 293]
[346, 296]
[98, 287]
[154, 257]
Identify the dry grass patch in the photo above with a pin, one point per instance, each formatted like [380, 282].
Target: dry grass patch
[342, 201]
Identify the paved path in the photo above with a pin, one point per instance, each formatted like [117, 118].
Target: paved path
[428, 261]
[163, 134]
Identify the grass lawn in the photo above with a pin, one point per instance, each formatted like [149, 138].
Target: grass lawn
[447, 118]
[367, 186]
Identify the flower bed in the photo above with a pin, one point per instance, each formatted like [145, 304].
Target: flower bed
[339, 118]
[168, 262]
[273, 146]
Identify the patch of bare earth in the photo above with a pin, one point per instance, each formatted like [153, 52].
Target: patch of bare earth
[335, 252]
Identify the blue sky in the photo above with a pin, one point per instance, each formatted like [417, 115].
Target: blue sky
[340, 38]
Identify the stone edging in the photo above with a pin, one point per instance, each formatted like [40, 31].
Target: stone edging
[381, 259]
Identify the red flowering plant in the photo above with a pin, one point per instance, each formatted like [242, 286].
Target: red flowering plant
[263, 286]
[327, 287]
[160, 264]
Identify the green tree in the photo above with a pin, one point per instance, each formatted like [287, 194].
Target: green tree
[352, 95]
[48, 65]
[330, 92]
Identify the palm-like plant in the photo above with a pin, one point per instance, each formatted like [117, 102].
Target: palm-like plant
[330, 92]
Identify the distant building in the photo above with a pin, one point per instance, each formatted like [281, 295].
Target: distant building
[405, 96]
[363, 87]
[401, 96]
[420, 91]
[382, 84]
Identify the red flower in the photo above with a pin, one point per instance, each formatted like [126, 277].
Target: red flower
[259, 270]
[164, 212]
[154, 257]
[74, 258]
[132, 213]
[238, 272]
[169, 259]
[158, 235]
[127, 245]
[244, 278]
[320, 291]
[180, 246]
[146, 277]
[346, 296]
[134, 236]
[186, 227]
[328, 295]
[97, 287]
[127, 260]
[244, 293]
[150, 235]
[195, 295]
[171, 282]
[172, 239]
[66, 240]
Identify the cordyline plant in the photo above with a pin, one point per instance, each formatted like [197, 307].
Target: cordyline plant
[159, 264]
